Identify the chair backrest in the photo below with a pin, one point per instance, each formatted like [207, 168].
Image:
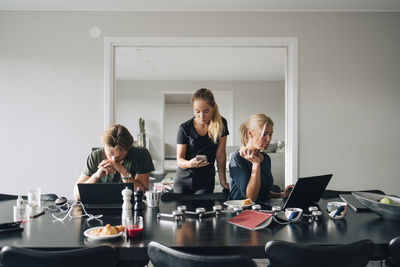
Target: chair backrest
[393, 260]
[285, 254]
[101, 256]
[175, 196]
[336, 193]
[7, 197]
[163, 256]
[44, 197]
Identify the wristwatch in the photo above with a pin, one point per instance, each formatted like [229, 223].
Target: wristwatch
[127, 177]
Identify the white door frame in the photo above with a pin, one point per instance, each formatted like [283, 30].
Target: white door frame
[291, 78]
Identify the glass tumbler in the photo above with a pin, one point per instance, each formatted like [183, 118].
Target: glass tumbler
[134, 227]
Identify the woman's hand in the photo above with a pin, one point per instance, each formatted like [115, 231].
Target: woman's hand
[286, 192]
[252, 155]
[225, 185]
[194, 163]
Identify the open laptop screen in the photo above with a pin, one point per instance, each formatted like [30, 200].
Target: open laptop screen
[307, 191]
[93, 195]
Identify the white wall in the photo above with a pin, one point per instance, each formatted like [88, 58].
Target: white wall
[51, 89]
[136, 99]
[175, 114]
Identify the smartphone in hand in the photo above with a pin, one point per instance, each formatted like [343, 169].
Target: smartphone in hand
[202, 158]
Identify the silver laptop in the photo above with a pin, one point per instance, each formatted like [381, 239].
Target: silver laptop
[103, 195]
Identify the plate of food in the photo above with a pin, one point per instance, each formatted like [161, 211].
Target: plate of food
[104, 232]
[243, 203]
[386, 206]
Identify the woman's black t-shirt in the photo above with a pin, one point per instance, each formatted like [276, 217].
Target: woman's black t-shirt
[198, 145]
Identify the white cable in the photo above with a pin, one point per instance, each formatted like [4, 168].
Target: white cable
[282, 223]
[69, 211]
[57, 208]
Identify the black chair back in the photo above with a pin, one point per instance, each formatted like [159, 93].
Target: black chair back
[101, 256]
[7, 197]
[163, 256]
[176, 196]
[336, 193]
[393, 260]
[285, 254]
[44, 197]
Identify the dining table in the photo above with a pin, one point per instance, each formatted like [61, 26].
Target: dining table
[209, 235]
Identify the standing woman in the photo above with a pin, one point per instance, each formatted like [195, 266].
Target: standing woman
[203, 135]
[249, 167]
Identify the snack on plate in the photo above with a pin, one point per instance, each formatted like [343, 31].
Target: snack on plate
[107, 230]
[246, 202]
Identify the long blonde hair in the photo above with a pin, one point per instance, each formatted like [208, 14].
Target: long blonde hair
[253, 122]
[216, 127]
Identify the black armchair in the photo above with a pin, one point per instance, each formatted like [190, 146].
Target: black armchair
[285, 254]
[101, 256]
[163, 256]
[393, 260]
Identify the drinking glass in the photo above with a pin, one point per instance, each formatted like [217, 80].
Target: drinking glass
[21, 213]
[34, 198]
[134, 227]
[152, 198]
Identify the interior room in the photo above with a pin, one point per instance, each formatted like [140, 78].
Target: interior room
[69, 69]
[244, 81]
[347, 80]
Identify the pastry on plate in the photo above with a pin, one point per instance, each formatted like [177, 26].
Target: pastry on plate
[107, 230]
[246, 202]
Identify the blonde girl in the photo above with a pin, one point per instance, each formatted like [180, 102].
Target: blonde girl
[250, 167]
[200, 142]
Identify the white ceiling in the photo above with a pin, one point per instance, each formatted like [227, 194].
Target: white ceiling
[203, 5]
[200, 63]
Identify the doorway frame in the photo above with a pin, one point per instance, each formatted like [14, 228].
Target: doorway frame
[291, 79]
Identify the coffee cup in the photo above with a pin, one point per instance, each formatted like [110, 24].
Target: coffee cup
[337, 209]
[152, 198]
[293, 214]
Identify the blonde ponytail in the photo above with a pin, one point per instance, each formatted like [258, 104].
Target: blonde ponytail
[216, 126]
[244, 137]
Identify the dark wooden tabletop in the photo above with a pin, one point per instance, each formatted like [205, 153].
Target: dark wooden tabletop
[211, 235]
